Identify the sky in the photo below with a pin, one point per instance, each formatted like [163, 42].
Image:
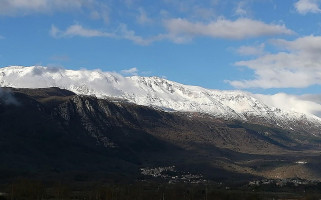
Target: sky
[261, 46]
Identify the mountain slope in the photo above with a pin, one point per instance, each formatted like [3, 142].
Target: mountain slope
[160, 93]
[55, 133]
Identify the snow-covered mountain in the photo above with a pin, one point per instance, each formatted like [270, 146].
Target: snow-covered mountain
[157, 92]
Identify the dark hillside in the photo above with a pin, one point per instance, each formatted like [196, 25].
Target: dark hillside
[55, 133]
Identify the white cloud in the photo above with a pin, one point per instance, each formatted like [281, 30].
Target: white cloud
[251, 50]
[78, 30]
[101, 11]
[298, 66]
[301, 104]
[312, 97]
[23, 7]
[96, 9]
[121, 32]
[240, 9]
[181, 30]
[2, 37]
[54, 31]
[124, 33]
[131, 71]
[307, 6]
[241, 28]
[142, 18]
[131, 35]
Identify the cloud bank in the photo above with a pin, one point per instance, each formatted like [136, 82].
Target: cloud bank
[223, 28]
[307, 104]
[297, 66]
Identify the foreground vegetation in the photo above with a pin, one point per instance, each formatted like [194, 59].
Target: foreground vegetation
[25, 189]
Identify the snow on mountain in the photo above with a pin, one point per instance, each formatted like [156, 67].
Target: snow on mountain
[156, 92]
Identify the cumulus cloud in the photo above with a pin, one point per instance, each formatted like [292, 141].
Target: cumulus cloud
[302, 104]
[131, 71]
[307, 6]
[223, 28]
[297, 66]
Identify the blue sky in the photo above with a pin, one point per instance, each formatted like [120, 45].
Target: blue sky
[262, 46]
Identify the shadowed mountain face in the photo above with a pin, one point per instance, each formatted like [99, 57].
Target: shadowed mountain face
[53, 133]
[167, 95]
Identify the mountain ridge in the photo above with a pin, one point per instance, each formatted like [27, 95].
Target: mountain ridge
[161, 93]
